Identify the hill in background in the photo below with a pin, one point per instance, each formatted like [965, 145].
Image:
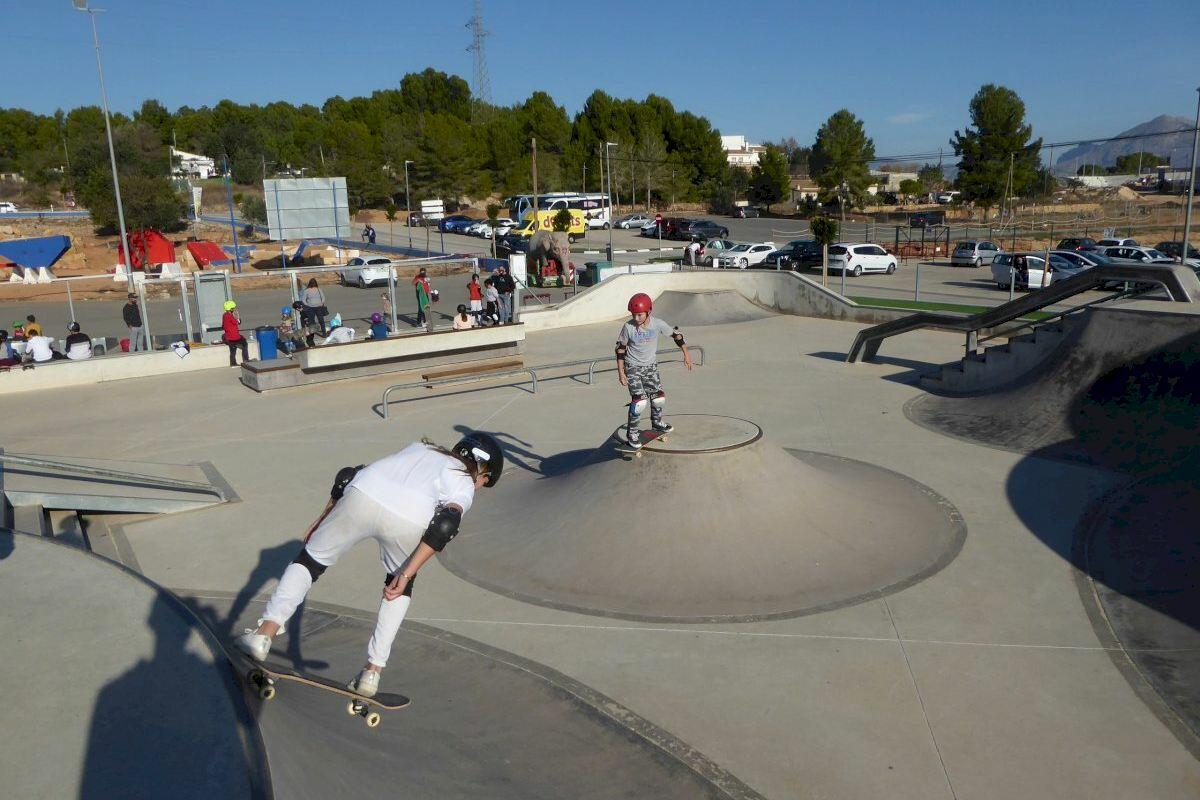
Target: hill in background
[1176, 146]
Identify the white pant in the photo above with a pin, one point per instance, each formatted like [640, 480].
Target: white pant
[355, 517]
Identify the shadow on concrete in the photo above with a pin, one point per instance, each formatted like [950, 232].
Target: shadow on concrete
[154, 728]
[915, 368]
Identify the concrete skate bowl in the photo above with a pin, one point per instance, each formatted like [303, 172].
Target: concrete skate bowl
[143, 703]
[715, 524]
[483, 723]
[693, 309]
[1132, 410]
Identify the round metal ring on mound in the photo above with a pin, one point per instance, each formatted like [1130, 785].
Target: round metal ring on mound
[719, 525]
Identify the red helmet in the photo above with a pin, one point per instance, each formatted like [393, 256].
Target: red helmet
[640, 303]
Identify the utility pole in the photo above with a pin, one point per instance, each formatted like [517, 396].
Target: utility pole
[533, 164]
[585, 178]
[237, 258]
[608, 152]
[408, 204]
[1187, 218]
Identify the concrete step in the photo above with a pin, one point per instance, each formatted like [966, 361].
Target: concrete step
[31, 519]
[999, 364]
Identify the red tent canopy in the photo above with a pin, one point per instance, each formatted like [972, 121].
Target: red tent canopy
[148, 247]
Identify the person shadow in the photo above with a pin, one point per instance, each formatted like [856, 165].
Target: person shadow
[174, 719]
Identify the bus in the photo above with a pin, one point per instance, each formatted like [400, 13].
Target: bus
[596, 208]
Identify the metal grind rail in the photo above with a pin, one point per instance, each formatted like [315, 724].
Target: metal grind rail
[113, 474]
[532, 372]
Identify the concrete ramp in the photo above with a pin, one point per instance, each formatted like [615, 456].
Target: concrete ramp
[143, 705]
[93, 484]
[714, 524]
[719, 307]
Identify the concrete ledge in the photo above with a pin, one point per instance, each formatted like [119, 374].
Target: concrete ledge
[399, 354]
[63, 374]
[783, 291]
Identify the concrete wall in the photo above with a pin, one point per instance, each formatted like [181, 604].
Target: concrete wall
[64, 374]
[784, 292]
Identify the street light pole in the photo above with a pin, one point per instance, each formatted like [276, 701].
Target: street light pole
[608, 158]
[81, 5]
[1187, 217]
[408, 203]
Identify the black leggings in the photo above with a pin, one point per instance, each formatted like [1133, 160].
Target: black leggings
[233, 348]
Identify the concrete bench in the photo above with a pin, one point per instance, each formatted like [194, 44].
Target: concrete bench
[377, 357]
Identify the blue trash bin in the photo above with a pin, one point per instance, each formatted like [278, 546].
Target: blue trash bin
[268, 340]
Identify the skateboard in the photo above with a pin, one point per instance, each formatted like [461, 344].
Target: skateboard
[264, 675]
[647, 437]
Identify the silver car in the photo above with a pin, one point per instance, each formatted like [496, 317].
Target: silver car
[974, 254]
[1143, 255]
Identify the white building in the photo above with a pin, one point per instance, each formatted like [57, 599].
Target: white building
[741, 153]
[191, 165]
[890, 181]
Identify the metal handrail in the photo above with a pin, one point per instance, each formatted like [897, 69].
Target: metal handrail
[531, 371]
[1181, 283]
[174, 483]
[1122, 295]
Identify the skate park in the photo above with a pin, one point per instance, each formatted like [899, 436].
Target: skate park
[912, 574]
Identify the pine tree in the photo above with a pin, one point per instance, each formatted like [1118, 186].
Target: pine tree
[998, 139]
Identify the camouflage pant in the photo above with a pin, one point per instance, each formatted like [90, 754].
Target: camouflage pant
[644, 383]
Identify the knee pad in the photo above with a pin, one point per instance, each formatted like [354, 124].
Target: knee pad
[659, 400]
[408, 587]
[309, 563]
[637, 405]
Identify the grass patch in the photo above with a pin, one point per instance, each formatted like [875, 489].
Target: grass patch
[921, 305]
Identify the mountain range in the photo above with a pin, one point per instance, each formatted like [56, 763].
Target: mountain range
[1149, 137]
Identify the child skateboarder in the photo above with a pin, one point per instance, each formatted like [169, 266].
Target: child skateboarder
[411, 503]
[637, 365]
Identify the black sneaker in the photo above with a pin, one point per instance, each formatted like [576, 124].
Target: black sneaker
[662, 427]
[634, 439]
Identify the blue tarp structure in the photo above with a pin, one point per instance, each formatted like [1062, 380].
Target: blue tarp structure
[45, 251]
[243, 250]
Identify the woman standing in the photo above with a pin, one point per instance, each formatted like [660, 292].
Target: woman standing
[314, 304]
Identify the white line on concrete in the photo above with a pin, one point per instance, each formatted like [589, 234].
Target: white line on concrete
[751, 634]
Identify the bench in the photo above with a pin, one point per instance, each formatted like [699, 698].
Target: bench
[472, 369]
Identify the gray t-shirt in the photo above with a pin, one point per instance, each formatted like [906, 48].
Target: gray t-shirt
[642, 343]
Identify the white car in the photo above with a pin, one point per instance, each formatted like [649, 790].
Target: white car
[503, 226]
[745, 255]
[1117, 243]
[8, 208]
[859, 258]
[1027, 271]
[476, 228]
[1142, 255]
[363, 272]
[634, 221]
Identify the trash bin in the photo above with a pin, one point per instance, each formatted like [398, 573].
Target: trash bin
[268, 340]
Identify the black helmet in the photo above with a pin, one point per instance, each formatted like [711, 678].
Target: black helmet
[484, 451]
[73, 327]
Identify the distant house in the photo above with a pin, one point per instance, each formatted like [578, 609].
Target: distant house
[192, 165]
[1104, 181]
[887, 181]
[804, 189]
[741, 153]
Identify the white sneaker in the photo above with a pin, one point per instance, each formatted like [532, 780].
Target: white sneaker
[366, 684]
[255, 645]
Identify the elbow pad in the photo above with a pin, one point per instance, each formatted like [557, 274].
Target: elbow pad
[620, 351]
[442, 528]
[342, 480]
[677, 336]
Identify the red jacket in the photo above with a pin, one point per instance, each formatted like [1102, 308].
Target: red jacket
[475, 290]
[229, 324]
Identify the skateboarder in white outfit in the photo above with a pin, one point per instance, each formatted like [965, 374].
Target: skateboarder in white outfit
[412, 504]
[637, 365]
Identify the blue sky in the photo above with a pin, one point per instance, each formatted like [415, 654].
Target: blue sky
[765, 69]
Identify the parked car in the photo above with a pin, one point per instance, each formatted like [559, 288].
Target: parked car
[8, 208]
[1142, 255]
[1117, 243]
[745, 255]
[503, 226]
[476, 228]
[1173, 249]
[927, 219]
[713, 249]
[1082, 258]
[973, 253]
[799, 254]
[696, 230]
[746, 212]
[670, 227]
[946, 198]
[366, 271]
[1076, 243]
[454, 222]
[1030, 270]
[634, 221]
[859, 258]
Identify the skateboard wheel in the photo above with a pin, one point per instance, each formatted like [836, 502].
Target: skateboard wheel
[267, 692]
[352, 708]
[372, 719]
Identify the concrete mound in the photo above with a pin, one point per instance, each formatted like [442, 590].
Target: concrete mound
[714, 524]
[143, 704]
[707, 308]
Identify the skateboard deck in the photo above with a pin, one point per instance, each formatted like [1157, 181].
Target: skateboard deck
[263, 675]
[647, 437]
